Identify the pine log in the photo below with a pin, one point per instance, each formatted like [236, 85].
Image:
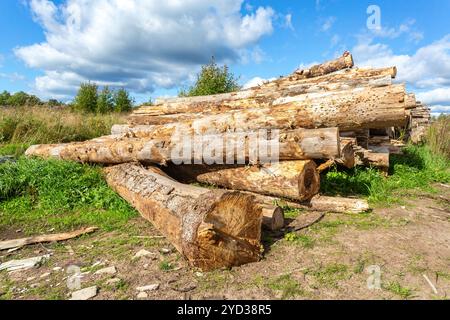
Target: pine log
[297, 180]
[348, 109]
[272, 214]
[321, 203]
[210, 228]
[159, 148]
[369, 158]
[347, 158]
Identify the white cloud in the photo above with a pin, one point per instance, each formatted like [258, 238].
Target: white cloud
[427, 71]
[288, 22]
[256, 81]
[13, 77]
[139, 44]
[327, 24]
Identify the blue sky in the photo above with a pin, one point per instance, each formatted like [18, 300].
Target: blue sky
[153, 48]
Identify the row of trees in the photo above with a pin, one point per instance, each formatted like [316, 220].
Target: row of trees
[90, 99]
[21, 98]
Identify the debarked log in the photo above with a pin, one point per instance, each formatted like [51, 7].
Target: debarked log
[159, 147]
[210, 228]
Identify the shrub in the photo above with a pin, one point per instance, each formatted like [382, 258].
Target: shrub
[87, 96]
[438, 137]
[212, 79]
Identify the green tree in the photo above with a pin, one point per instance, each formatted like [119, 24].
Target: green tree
[212, 79]
[87, 96]
[105, 101]
[4, 98]
[18, 99]
[33, 101]
[122, 101]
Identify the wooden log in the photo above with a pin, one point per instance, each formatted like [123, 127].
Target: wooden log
[348, 109]
[210, 228]
[369, 158]
[272, 215]
[343, 62]
[297, 180]
[347, 158]
[322, 203]
[160, 147]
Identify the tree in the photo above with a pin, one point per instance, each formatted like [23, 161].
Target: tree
[87, 96]
[212, 79]
[105, 102]
[18, 99]
[122, 101]
[4, 98]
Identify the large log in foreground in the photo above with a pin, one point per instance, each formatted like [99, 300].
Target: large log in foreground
[159, 148]
[348, 109]
[296, 180]
[211, 228]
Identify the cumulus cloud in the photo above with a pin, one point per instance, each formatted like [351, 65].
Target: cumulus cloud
[138, 44]
[427, 71]
[256, 81]
[13, 77]
[327, 24]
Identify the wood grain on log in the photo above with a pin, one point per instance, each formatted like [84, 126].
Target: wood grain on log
[297, 180]
[210, 228]
[158, 147]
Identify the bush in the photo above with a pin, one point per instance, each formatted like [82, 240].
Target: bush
[438, 137]
[87, 96]
[212, 79]
[122, 101]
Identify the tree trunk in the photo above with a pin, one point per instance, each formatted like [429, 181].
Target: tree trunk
[261, 97]
[321, 203]
[348, 110]
[210, 228]
[347, 158]
[158, 147]
[289, 179]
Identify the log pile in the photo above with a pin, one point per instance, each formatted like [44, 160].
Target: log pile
[329, 114]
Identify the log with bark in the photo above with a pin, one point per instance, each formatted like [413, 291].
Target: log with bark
[297, 180]
[210, 228]
[160, 148]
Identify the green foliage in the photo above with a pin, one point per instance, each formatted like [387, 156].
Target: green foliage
[87, 96]
[304, 240]
[289, 287]
[36, 193]
[396, 288]
[329, 275]
[212, 79]
[122, 101]
[165, 266]
[18, 99]
[416, 168]
[105, 103]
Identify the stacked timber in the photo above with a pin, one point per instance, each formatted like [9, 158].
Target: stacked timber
[419, 122]
[252, 151]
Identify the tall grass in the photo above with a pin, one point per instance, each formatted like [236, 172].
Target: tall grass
[24, 126]
[417, 168]
[438, 137]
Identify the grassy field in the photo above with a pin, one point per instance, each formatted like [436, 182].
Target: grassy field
[39, 196]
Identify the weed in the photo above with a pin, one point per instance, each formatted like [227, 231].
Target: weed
[165, 265]
[396, 288]
[289, 287]
[304, 240]
[330, 275]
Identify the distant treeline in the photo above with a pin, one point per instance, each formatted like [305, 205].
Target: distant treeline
[24, 99]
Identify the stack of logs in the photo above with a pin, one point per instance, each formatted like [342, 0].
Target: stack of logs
[328, 114]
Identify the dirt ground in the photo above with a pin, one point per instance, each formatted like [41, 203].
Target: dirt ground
[341, 257]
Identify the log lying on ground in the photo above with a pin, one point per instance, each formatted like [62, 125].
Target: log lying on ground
[160, 148]
[349, 110]
[369, 158]
[297, 180]
[347, 157]
[272, 215]
[211, 228]
[322, 203]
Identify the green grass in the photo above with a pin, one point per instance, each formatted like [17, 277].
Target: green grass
[300, 239]
[398, 289]
[416, 169]
[40, 194]
[329, 275]
[165, 265]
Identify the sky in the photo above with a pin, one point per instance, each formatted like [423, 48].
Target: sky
[155, 48]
